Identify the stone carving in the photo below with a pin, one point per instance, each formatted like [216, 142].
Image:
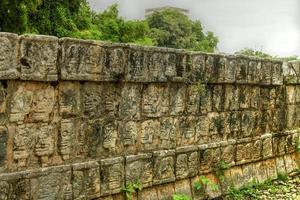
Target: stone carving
[230, 69]
[205, 99]
[163, 167]
[156, 66]
[9, 44]
[241, 70]
[218, 98]
[129, 131]
[149, 134]
[130, 102]
[155, 101]
[193, 99]
[208, 158]
[86, 180]
[69, 99]
[4, 190]
[67, 138]
[244, 96]
[228, 154]
[231, 98]
[277, 78]
[136, 68]
[266, 73]
[177, 101]
[187, 162]
[267, 146]
[242, 152]
[44, 145]
[168, 130]
[202, 130]
[111, 176]
[139, 168]
[187, 131]
[109, 136]
[198, 68]
[39, 58]
[254, 71]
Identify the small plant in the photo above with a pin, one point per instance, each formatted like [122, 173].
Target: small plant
[132, 188]
[181, 197]
[282, 176]
[203, 183]
[220, 168]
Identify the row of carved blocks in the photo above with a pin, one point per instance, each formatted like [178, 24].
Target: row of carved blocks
[95, 179]
[47, 58]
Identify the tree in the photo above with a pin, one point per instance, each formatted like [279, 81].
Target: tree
[171, 28]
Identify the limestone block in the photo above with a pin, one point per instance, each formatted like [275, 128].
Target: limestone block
[136, 70]
[187, 131]
[265, 98]
[32, 103]
[148, 139]
[193, 99]
[202, 130]
[197, 194]
[128, 135]
[112, 176]
[233, 121]
[177, 99]
[211, 192]
[291, 94]
[277, 73]
[164, 162]
[69, 99]
[205, 98]
[180, 66]
[86, 180]
[257, 150]
[209, 68]
[267, 146]
[230, 69]
[216, 125]
[168, 131]
[139, 168]
[260, 172]
[241, 70]
[248, 173]
[237, 176]
[38, 57]
[3, 147]
[101, 137]
[187, 162]
[254, 71]
[183, 187]
[52, 183]
[291, 116]
[219, 69]
[197, 73]
[155, 101]
[91, 60]
[69, 144]
[148, 194]
[291, 72]
[165, 192]
[271, 168]
[209, 157]
[254, 97]
[290, 145]
[218, 98]
[157, 62]
[231, 100]
[280, 165]
[100, 100]
[242, 152]
[289, 164]
[14, 186]
[228, 152]
[130, 102]
[9, 45]
[244, 96]
[266, 73]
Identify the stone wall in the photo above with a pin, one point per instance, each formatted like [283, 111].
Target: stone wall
[82, 119]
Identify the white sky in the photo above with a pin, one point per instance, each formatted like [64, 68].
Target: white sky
[269, 25]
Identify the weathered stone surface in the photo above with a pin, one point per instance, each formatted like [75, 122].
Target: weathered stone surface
[164, 162]
[111, 176]
[9, 46]
[3, 146]
[168, 131]
[148, 139]
[130, 102]
[38, 57]
[86, 180]
[139, 168]
[187, 162]
[69, 99]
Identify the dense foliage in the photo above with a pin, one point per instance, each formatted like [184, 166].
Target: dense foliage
[74, 18]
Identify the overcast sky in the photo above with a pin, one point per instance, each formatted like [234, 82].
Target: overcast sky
[269, 25]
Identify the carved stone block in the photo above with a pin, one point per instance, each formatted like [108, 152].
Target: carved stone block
[149, 135]
[38, 57]
[91, 60]
[242, 152]
[112, 176]
[241, 70]
[139, 168]
[209, 157]
[187, 131]
[69, 99]
[52, 183]
[244, 96]
[218, 98]
[266, 73]
[202, 130]
[230, 69]
[227, 153]
[187, 162]
[254, 71]
[168, 131]
[128, 135]
[233, 121]
[177, 99]
[216, 125]
[3, 146]
[155, 101]
[9, 45]
[86, 180]
[164, 163]
[193, 99]
[156, 64]
[14, 186]
[290, 94]
[130, 102]
[247, 124]
[136, 69]
[197, 72]
[231, 101]
[277, 73]
[257, 150]
[205, 98]
[165, 191]
[267, 146]
[100, 100]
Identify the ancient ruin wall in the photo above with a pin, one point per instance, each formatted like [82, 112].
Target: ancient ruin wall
[82, 119]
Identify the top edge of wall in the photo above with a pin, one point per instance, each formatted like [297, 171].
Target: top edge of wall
[48, 58]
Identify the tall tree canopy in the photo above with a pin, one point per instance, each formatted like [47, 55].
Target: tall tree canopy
[172, 28]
